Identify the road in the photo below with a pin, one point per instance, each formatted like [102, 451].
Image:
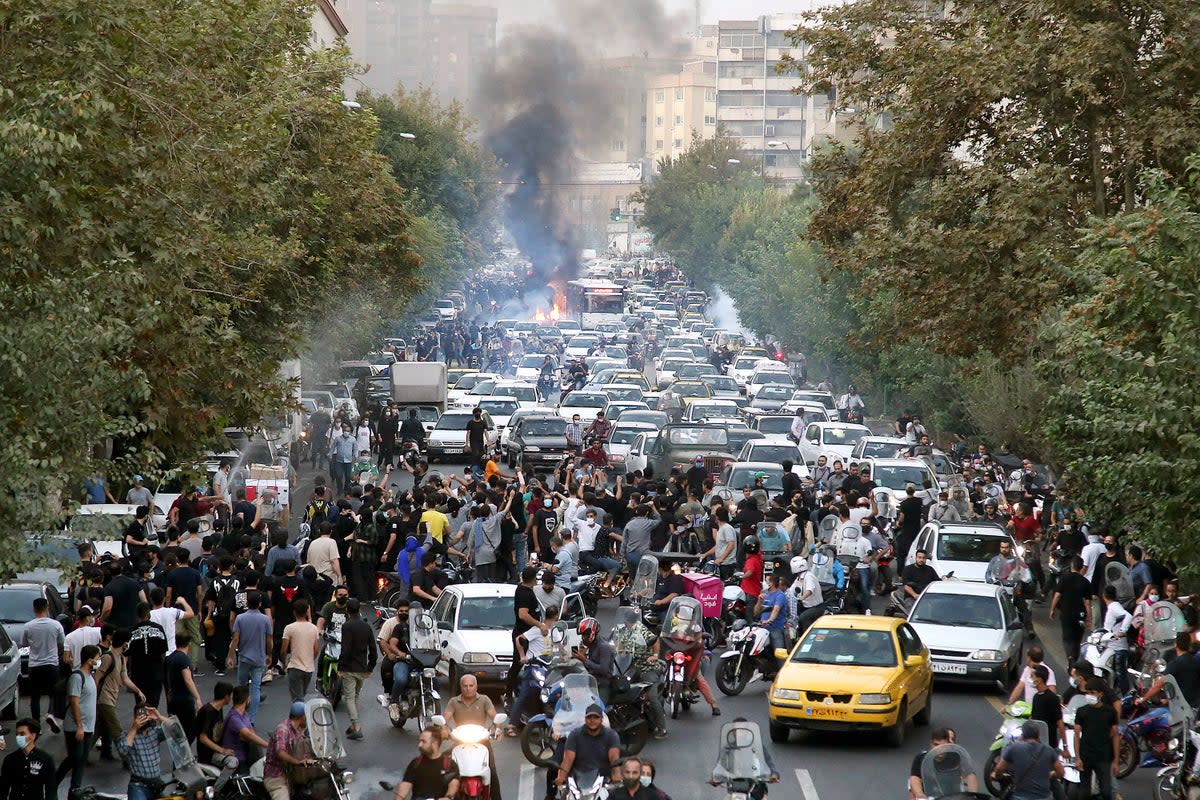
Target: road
[812, 767]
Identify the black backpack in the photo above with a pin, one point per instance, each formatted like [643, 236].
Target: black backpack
[227, 588]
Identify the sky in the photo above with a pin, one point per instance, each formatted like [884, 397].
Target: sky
[517, 12]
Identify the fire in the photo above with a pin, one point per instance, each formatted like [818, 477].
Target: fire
[539, 316]
[554, 312]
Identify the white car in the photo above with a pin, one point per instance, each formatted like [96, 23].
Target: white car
[569, 327]
[815, 396]
[449, 437]
[964, 548]
[973, 632]
[774, 451]
[707, 410]
[665, 371]
[104, 524]
[766, 374]
[894, 474]
[620, 441]
[526, 394]
[580, 344]
[623, 391]
[638, 456]
[529, 368]
[446, 309]
[834, 440]
[775, 427]
[813, 412]
[475, 623]
[583, 403]
[742, 368]
[481, 389]
[878, 447]
[500, 408]
[465, 384]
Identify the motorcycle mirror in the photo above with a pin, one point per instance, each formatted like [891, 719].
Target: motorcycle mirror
[438, 719]
[500, 719]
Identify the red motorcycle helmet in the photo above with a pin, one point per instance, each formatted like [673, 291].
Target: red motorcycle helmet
[588, 629]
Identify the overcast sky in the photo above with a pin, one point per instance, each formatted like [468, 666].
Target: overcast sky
[713, 10]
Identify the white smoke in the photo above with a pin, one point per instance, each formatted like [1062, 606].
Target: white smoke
[724, 314]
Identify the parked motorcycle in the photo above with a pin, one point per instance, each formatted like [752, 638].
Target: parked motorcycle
[749, 658]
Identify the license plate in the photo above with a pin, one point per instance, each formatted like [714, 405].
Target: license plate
[826, 712]
[949, 669]
[455, 450]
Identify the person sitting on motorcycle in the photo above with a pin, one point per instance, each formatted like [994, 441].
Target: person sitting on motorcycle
[287, 750]
[597, 655]
[914, 578]
[430, 774]
[772, 610]
[395, 651]
[633, 785]
[916, 786]
[599, 429]
[531, 644]
[1005, 566]
[592, 747]
[631, 637]
[808, 603]
[670, 585]
[595, 455]
[1184, 667]
[677, 631]
[578, 373]
[412, 429]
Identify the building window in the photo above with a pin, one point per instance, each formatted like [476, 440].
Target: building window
[659, 96]
[710, 120]
[618, 144]
[658, 144]
[679, 119]
[678, 144]
[679, 94]
[710, 95]
[658, 121]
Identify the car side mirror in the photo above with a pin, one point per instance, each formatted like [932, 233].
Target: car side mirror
[781, 653]
[444, 625]
[6, 658]
[1016, 625]
[915, 661]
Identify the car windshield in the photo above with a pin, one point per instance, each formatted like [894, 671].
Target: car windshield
[523, 393]
[52, 551]
[101, 527]
[703, 437]
[655, 418]
[624, 435]
[739, 476]
[899, 477]
[503, 408]
[534, 361]
[774, 424]
[967, 546]
[424, 413]
[453, 422]
[696, 370]
[672, 364]
[469, 381]
[549, 332]
[486, 614]
[583, 341]
[579, 400]
[956, 610]
[773, 452]
[816, 397]
[745, 363]
[739, 436]
[720, 383]
[881, 449]
[773, 392]
[544, 427]
[774, 377]
[634, 379]
[629, 393]
[842, 435]
[691, 390]
[844, 647]
[16, 603]
[701, 410]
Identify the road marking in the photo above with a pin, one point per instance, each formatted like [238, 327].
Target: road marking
[525, 788]
[995, 702]
[806, 785]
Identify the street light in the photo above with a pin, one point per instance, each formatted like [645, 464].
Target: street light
[409, 136]
[733, 161]
[777, 143]
[350, 105]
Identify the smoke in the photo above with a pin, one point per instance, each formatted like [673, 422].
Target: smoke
[724, 314]
[547, 100]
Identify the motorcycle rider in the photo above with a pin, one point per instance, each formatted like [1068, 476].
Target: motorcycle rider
[916, 785]
[597, 655]
[752, 572]
[394, 644]
[806, 595]
[1031, 762]
[431, 774]
[591, 747]
[630, 637]
[1184, 667]
[1006, 568]
[914, 578]
[411, 428]
[632, 785]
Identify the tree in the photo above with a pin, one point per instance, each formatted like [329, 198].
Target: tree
[1010, 124]
[184, 198]
[1124, 361]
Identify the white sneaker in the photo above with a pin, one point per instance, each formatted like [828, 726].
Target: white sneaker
[268, 676]
[867, 612]
[382, 699]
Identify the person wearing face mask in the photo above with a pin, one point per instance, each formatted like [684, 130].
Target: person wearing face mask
[28, 774]
[632, 786]
[341, 457]
[79, 725]
[649, 773]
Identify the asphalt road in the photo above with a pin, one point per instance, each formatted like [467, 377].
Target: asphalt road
[812, 766]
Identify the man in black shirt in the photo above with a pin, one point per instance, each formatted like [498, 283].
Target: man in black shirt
[430, 774]
[476, 435]
[695, 476]
[147, 649]
[909, 522]
[121, 598]
[792, 485]
[1072, 598]
[915, 577]
[1096, 738]
[28, 773]
[1046, 706]
[427, 582]
[543, 523]
[670, 585]
[1184, 668]
[526, 614]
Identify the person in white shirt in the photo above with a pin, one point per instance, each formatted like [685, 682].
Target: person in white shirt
[1034, 655]
[914, 431]
[1116, 622]
[805, 598]
[861, 509]
[587, 532]
[87, 633]
[1091, 555]
[799, 423]
[168, 616]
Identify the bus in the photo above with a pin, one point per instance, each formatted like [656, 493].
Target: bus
[594, 302]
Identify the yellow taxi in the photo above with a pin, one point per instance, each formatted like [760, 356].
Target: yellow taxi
[853, 673]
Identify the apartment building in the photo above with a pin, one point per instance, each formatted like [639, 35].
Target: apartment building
[680, 107]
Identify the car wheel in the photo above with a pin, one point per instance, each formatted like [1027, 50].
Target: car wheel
[1011, 674]
[895, 734]
[779, 732]
[925, 715]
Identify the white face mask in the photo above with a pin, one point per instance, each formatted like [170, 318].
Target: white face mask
[645, 780]
[1091, 699]
[1153, 598]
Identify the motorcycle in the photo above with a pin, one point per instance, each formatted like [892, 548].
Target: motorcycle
[627, 706]
[749, 658]
[420, 700]
[641, 590]
[188, 779]
[683, 642]
[574, 694]
[1098, 651]
[473, 759]
[1013, 575]
[1015, 714]
[1145, 739]
[1160, 623]
[585, 785]
[330, 779]
[947, 771]
[329, 681]
[741, 762]
[1181, 780]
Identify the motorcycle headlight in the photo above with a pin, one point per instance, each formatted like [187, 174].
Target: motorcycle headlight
[987, 655]
[347, 777]
[786, 694]
[880, 699]
[539, 674]
[479, 658]
[1010, 729]
[429, 673]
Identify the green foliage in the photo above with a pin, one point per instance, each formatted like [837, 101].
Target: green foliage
[183, 193]
[1125, 361]
[1012, 123]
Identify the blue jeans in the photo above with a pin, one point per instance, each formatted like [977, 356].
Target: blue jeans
[520, 545]
[253, 675]
[778, 639]
[864, 586]
[140, 791]
[400, 676]
[341, 474]
[590, 559]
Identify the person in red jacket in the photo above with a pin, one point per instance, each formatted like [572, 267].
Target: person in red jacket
[752, 575]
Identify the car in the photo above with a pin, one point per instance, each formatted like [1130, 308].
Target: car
[526, 327]
[665, 371]
[595, 364]
[449, 436]
[729, 483]
[708, 410]
[964, 548]
[620, 442]
[696, 369]
[894, 474]
[105, 525]
[677, 446]
[324, 400]
[526, 394]
[548, 334]
[834, 440]
[638, 456]
[623, 391]
[16, 609]
[583, 403]
[341, 393]
[655, 418]
[569, 327]
[723, 387]
[973, 631]
[465, 384]
[535, 437]
[738, 436]
[428, 415]
[607, 357]
[776, 375]
[772, 451]
[529, 367]
[742, 368]
[852, 673]
[813, 412]
[775, 427]
[616, 408]
[454, 373]
[499, 408]
[687, 391]
[52, 559]
[581, 344]
[878, 447]
[475, 622]
[771, 397]
[482, 388]
[815, 396]
[445, 309]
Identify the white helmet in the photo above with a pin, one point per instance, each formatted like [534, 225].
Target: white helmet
[799, 565]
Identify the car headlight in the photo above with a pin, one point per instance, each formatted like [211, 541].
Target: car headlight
[531, 449]
[987, 655]
[786, 694]
[479, 658]
[880, 699]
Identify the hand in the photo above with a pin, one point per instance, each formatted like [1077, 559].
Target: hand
[1116, 768]
[774, 778]
[1078, 763]
[229, 662]
[79, 734]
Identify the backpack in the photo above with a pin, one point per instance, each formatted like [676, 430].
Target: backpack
[227, 588]
[59, 700]
[316, 512]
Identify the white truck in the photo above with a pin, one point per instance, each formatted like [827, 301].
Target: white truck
[420, 383]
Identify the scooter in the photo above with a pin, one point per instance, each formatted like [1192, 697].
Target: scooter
[1098, 651]
[749, 658]
[473, 758]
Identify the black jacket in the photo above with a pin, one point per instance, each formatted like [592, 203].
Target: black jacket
[359, 651]
[28, 777]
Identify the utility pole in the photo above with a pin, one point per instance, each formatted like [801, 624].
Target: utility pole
[764, 26]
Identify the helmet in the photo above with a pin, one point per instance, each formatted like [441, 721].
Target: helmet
[991, 501]
[750, 545]
[588, 628]
[799, 565]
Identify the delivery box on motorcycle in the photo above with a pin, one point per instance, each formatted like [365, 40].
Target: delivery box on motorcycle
[705, 588]
[740, 754]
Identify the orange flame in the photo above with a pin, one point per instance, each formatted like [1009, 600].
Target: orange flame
[554, 313]
[539, 316]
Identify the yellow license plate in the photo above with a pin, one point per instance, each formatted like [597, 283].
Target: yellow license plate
[826, 712]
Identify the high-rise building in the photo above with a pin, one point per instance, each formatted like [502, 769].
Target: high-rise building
[680, 107]
[328, 25]
[757, 105]
[462, 50]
